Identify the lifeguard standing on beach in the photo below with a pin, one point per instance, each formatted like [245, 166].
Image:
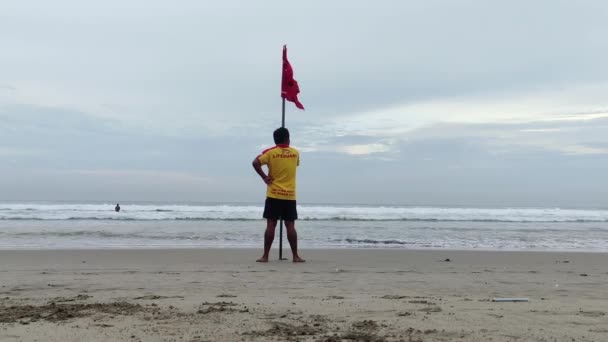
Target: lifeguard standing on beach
[282, 162]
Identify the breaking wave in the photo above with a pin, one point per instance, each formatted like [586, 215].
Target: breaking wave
[224, 212]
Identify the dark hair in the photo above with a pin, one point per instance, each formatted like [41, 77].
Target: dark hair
[281, 135]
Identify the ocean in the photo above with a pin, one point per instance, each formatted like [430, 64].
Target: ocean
[47, 225]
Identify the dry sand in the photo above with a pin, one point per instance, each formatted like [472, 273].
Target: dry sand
[338, 295]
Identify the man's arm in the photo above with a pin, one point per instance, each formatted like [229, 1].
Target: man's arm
[257, 166]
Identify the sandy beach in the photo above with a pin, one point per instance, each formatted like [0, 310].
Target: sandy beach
[337, 295]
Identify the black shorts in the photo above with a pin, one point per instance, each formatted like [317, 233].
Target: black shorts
[275, 209]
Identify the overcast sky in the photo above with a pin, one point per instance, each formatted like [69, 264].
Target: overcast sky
[483, 103]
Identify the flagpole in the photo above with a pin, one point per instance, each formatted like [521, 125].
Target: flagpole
[281, 222]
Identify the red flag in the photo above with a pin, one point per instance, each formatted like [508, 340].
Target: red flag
[289, 86]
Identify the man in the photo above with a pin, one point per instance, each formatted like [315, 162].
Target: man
[282, 162]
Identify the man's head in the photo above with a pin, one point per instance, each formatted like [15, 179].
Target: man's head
[281, 136]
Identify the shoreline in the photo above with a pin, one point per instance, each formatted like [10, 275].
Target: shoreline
[287, 250]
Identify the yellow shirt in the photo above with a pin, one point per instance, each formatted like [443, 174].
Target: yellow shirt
[282, 162]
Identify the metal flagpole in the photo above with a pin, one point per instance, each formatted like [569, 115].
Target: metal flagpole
[283, 116]
[281, 222]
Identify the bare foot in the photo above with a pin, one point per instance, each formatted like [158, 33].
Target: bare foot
[262, 259]
[298, 259]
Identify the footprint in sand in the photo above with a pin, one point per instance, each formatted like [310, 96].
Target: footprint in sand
[335, 297]
[393, 297]
[592, 313]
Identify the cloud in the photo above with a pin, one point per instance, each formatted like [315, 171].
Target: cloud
[363, 149]
[6, 90]
[500, 120]
[177, 178]
[152, 92]
[582, 149]
[9, 151]
[542, 130]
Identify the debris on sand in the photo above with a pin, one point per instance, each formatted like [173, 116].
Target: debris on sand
[54, 312]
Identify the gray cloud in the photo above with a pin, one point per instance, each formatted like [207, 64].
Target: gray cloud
[434, 102]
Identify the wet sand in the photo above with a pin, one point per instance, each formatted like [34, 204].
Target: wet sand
[337, 295]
